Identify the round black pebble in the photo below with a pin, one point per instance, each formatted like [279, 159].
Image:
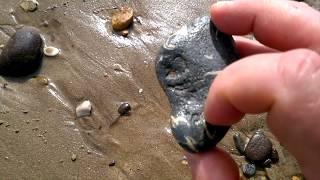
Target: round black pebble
[124, 108]
[248, 170]
[22, 55]
[112, 163]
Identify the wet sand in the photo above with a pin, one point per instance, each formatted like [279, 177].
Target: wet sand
[40, 132]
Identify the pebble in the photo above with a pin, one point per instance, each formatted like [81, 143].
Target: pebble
[1, 122]
[296, 177]
[29, 5]
[140, 91]
[122, 19]
[74, 157]
[84, 109]
[22, 55]
[51, 51]
[112, 163]
[17, 131]
[124, 108]
[248, 169]
[186, 66]
[41, 80]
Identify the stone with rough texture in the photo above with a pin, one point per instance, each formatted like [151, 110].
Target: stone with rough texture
[188, 62]
[23, 53]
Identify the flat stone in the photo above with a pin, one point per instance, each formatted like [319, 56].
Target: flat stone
[187, 63]
[22, 55]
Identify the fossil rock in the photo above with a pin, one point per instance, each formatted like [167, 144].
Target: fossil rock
[187, 64]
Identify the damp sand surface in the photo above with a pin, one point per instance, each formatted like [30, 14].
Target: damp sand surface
[40, 136]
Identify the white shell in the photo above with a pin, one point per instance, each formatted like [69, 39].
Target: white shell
[51, 51]
[84, 109]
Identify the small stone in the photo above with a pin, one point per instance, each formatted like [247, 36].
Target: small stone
[25, 111]
[184, 160]
[185, 67]
[258, 148]
[74, 157]
[41, 80]
[82, 147]
[22, 55]
[27, 122]
[122, 19]
[248, 170]
[6, 158]
[1, 122]
[295, 177]
[124, 108]
[61, 161]
[140, 91]
[51, 51]
[17, 131]
[112, 163]
[124, 33]
[84, 109]
[29, 5]
[89, 152]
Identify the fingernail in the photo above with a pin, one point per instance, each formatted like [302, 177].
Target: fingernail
[221, 4]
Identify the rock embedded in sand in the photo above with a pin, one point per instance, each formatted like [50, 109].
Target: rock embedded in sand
[22, 55]
[187, 64]
[124, 108]
[29, 5]
[73, 157]
[84, 109]
[122, 19]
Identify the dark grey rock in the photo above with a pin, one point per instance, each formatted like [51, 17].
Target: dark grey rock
[248, 169]
[22, 55]
[185, 67]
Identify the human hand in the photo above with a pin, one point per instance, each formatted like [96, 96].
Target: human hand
[280, 76]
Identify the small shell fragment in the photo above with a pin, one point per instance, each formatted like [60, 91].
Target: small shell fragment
[29, 5]
[51, 51]
[84, 109]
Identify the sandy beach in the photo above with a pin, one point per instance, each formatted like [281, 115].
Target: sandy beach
[40, 136]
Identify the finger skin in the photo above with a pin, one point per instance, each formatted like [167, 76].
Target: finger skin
[215, 164]
[287, 86]
[246, 47]
[279, 24]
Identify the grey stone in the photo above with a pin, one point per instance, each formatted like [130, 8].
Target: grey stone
[22, 55]
[186, 65]
[248, 169]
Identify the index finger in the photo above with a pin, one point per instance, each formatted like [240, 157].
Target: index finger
[279, 24]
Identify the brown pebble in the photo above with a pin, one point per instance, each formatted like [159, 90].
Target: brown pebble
[1, 122]
[122, 19]
[17, 131]
[112, 163]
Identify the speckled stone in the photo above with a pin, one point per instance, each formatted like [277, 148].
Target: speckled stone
[22, 55]
[186, 65]
[259, 148]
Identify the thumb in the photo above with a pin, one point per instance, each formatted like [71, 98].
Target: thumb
[286, 85]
